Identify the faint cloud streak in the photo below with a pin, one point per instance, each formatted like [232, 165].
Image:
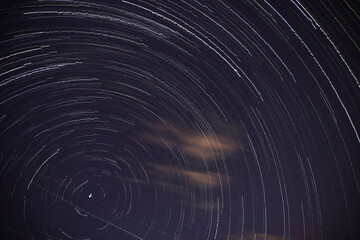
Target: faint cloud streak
[193, 143]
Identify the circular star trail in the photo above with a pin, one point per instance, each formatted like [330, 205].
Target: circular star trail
[154, 120]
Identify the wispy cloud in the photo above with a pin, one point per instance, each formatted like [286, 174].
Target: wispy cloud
[254, 236]
[194, 143]
[194, 178]
[173, 179]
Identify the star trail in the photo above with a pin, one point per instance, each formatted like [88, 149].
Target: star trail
[183, 120]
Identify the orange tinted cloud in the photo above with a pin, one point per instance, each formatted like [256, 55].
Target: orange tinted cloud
[255, 236]
[194, 143]
[207, 146]
[195, 178]
[209, 179]
[203, 205]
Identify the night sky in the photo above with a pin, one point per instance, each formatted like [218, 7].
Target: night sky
[183, 119]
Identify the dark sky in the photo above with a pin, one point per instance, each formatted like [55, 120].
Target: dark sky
[184, 120]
